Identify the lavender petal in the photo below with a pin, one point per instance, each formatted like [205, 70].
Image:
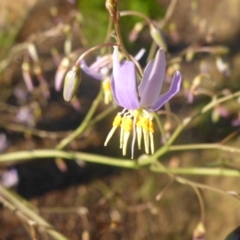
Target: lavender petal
[90, 72]
[174, 89]
[139, 55]
[101, 62]
[116, 63]
[124, 85]
[150, 87]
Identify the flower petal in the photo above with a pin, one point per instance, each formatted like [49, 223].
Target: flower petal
[101, 62]
[123, 82]
[90, 72]
[151, 85]
[139, 55]
[174, 89]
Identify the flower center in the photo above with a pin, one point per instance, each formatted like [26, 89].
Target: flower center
[140, 123]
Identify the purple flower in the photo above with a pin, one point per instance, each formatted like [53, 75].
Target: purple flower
[99, 70]
[140, 100]
[130, 96]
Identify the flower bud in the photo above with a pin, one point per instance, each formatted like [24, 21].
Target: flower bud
[27, 76]
[68, 45]
[61, 71]
[222, 66]
[135, 31]
[158, 37]
[71, 83]
[33, 52]
[190, 55]
[199, 232]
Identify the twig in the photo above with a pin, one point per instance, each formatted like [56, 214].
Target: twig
[21, 208]
[83, 125]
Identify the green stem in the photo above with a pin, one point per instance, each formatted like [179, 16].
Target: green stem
[33, 131]
[20, 206]
[222, 172]
[102, 115]
[49, 153]
[201, 203]
[120, 41]
[152, 51]
[91, 50]
[204, 146]
[185, 123]
[117, 162]
[169, 13]
[160, 126]
[83, 125]
[199, 171]
[135, 13]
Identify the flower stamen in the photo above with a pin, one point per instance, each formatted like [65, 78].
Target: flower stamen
[116, 123]
[106, 86]
[127, 125]
[140, 122]
[139, 131]
[144, 122]
[151, 131]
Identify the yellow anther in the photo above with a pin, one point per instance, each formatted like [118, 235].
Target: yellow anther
[145, 123]
[150, 126]
[106, 86]
[151, 142]
[107, 97]
[139, 131]
[122, 131]
[126, 127]
[127, 124]
[146, 141]
[117, 121]
[125, 141]
[139, 136]
[138, 122]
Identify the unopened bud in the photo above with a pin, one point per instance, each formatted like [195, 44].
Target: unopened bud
[135, 31]
[61, 71]
[26, 76]
[33, 52]
[190, 55]
[215, 115]
[37, 70]
[173, 68]
[68, 45]
[222, 66]
[199, 232]
[167, 126]
[219, 111]
[71, 83]
[158, 37]
[196, 81]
